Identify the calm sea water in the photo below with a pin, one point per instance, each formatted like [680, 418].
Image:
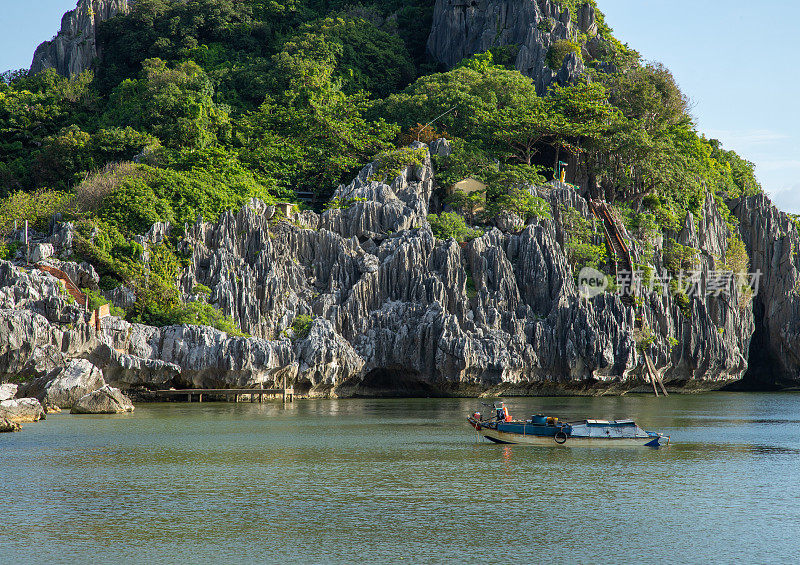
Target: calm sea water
[387, 481]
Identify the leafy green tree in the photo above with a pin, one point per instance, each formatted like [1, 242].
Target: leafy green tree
[119, 144]
[33, 109]
[368, 58]
[522, 203]
[519, 130]
[469, 161]
[169, 30]
[174, 104]
[312, 131]
[468, 203]
[649, 95]
[62, 157]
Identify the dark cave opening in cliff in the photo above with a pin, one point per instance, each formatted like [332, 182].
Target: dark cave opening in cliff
[548, 158]
[764, 367]
[396, 383]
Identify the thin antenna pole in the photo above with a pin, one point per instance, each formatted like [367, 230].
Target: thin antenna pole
[419, 133]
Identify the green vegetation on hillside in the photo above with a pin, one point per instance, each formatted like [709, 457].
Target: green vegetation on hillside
[198, 106]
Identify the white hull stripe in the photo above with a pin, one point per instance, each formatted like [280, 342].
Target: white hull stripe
[503, 437]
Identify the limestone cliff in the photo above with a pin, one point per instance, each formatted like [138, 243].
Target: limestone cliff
[395, 309]
[74, 47]
[774, 249]
[462, 28]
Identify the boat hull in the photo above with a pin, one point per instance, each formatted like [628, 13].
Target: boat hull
[520, 439]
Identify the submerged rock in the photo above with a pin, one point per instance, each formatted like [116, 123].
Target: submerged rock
[106, 400]
[22, 410]
[7, 426]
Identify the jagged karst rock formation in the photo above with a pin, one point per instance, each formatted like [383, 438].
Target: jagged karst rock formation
[397, 299]
[8, 391]
[41, 326]
[397, 311]
[462, 28]
[74, 48]
[773, 246]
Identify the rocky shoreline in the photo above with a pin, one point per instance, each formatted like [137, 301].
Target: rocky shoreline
[397, 312]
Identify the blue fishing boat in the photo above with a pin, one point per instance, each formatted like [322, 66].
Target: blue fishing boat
[500, 427]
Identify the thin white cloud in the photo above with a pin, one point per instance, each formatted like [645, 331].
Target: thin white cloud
[787, 199]
[747, 138]
[778, 165]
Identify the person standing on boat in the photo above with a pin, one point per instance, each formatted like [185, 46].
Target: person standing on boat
[502, 413]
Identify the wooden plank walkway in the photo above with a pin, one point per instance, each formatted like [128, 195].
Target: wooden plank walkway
[77, 294]
[287, 393]
[71, 287]
[624, 263]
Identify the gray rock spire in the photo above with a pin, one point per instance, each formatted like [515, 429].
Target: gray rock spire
[74, 47]
[462, 28]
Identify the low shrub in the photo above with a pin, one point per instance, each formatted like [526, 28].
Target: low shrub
[339, 203]
[392, 163]
[449, 225]
[678, 258]
[37, 207]
[8, 250]
[301, 326]
[522, 203]
[580, 237]
[558, 52]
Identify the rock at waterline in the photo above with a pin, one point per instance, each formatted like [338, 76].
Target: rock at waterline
[51, 409]
[22, 410]
[8, 426]
[7, 391]
[106, 400]
[71, 383]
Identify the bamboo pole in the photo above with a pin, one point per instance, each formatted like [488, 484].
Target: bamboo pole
[655, 376]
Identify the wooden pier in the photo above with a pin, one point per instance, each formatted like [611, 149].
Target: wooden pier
[189, 393]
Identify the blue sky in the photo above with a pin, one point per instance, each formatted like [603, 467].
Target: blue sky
[735, 59]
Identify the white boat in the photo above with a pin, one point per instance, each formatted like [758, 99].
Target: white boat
[550, 431]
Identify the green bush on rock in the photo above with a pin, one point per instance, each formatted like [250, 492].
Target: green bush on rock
[522, 203]
[449, 225]
[301, 326]
[392, 163]
[559, 50]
